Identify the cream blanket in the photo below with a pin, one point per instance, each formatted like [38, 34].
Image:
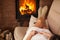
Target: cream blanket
[37, 36]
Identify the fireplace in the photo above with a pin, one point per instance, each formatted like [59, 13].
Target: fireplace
[24, 10]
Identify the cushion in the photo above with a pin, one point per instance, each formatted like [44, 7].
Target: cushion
[54, 17]
[32, 21]
[42, 11]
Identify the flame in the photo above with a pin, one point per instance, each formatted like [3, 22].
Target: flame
[27, 6]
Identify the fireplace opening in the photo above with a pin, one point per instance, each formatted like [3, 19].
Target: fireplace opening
[24, 10]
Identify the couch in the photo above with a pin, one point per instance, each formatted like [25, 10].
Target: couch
[53, 21]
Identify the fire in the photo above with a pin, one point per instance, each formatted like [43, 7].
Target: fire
[27, 6]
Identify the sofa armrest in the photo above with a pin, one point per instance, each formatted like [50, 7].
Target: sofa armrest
[19, 33]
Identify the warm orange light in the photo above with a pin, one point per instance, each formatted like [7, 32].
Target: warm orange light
[27, 6]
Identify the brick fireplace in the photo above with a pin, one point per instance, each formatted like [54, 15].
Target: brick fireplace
[9, 13]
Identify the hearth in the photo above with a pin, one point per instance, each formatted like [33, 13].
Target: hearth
[24, 10]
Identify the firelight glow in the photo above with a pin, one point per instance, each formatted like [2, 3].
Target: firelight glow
[27, 6]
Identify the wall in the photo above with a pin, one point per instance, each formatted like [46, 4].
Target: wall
[7, 14]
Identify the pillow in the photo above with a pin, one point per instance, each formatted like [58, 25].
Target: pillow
[31, 24]
[32, 21]
[54, 17]
[42, 11]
